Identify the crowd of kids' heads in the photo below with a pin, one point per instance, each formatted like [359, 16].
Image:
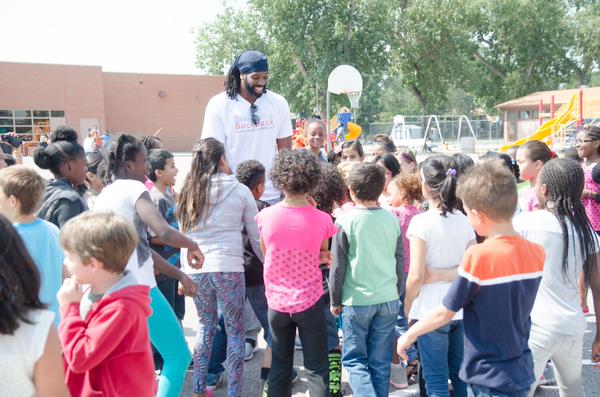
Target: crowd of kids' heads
[97, 243]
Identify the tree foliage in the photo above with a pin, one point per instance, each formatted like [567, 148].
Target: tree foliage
[428, 56]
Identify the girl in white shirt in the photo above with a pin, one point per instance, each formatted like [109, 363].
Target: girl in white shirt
[571, 246]
[30, 356]
[438, 239]
[125, 194]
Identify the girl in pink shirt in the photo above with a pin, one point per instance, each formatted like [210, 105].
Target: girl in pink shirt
[294, 237]
[588, 149]
[404, 192]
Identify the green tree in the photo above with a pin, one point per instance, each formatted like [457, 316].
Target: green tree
[305, 41]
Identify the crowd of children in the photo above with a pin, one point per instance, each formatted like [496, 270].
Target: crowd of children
[440, 269]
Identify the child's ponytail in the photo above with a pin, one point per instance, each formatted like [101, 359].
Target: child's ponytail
[194, 198]
[123, 149]
[439, 174]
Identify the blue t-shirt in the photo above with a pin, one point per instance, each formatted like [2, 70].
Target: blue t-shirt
[42, 241]
[496, 286]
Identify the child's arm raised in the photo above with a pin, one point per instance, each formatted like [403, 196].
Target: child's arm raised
[416, 273]
[339, 247]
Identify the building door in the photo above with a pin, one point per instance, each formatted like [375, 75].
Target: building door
[86, 125]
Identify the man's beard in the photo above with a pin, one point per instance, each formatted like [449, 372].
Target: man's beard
[251, 91]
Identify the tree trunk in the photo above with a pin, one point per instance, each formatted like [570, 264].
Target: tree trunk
[419, 96]
[349, 25]
[488, 65]
[300, 65]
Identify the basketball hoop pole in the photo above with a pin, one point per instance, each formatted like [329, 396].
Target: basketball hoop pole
[327, 124]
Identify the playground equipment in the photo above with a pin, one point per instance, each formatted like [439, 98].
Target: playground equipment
[412, 135]
[344, 79]
[569, 117]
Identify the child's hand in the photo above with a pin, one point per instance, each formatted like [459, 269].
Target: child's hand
[195, 258]
[69, 292]
[336, 310]
[404, 342]
[187, 286]
[325, 258]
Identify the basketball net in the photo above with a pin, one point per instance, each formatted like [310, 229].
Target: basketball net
[354, 97]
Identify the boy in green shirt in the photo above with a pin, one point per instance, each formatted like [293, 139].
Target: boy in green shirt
[366, 282]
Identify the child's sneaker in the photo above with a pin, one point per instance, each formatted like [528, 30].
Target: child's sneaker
[214, 384]
[398, 376]
[335, 373]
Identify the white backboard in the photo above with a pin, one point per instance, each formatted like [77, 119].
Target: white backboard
[343, 79]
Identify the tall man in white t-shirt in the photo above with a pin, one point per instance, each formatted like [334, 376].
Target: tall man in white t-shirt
[251, 122]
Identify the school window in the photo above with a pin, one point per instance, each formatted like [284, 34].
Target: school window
[524, 115]
[28, 124]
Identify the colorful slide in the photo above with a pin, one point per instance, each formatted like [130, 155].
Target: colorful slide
[567, 114]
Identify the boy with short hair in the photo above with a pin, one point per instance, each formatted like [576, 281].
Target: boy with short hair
[104, 330]
[162, 172]
[496, 287]
[21, 192]
[366, 282]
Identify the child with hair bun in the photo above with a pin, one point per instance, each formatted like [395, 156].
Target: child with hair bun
[65, 158]
[438, 239]
[295, 238]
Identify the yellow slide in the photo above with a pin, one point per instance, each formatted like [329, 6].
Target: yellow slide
[567, 114]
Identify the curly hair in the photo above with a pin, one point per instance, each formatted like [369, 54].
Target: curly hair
[250, 173]
[410, 184]
[296, 171]
[331, 188]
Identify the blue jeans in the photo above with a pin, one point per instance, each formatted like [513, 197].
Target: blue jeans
[368, 346]
[481, 391]
[441, 354]
[402, 327]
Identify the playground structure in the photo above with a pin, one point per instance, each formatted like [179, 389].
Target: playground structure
[442, 132]
[559, 132]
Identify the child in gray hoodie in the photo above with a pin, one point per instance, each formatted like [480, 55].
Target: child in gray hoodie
[213, 209]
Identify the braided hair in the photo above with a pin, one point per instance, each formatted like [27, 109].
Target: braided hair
[122, 150]
[564, 180]
[439, 174]
[233, 80]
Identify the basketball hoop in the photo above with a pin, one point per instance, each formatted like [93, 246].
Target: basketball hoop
[354, 97]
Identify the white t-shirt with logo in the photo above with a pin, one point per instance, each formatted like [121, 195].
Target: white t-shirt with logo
[229, 121]
[120, 197]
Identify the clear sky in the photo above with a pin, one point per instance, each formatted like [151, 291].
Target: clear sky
[151, 36]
